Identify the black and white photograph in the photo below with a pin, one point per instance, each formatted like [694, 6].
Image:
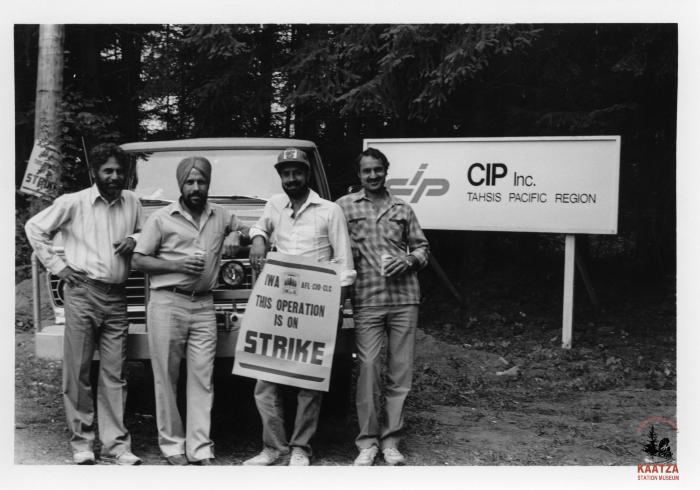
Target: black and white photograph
[447, 248]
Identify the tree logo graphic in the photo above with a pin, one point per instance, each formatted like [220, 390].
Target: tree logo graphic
[660, 450]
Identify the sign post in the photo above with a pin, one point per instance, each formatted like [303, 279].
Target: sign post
[564, 185]
[568, 310]
[41, 177]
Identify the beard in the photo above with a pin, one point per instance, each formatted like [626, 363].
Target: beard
[110, 190]
[198, 204]
[296, 192]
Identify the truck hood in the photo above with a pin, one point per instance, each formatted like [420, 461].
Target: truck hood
[246, 210]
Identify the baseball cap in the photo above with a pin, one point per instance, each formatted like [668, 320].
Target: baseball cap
[292, 155]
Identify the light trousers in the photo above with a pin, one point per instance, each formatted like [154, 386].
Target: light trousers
[180, 327]
[269, 402]
[394, 326]
[95, 317]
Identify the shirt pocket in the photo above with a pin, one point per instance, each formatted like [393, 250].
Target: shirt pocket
[395, 230]
[357, 227]
[213, 239]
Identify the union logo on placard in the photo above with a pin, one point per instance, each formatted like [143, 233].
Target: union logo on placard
[290, 283]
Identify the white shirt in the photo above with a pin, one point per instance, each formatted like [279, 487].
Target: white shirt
[318, 231]
[89, 226]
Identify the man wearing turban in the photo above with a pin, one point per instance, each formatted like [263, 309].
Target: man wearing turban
[180, 248]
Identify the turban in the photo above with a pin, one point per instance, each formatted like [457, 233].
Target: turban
[187, 164]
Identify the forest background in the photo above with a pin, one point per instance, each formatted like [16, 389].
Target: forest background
[336, 84]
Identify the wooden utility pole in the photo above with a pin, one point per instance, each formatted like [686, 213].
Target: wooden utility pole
[42, 177]
[49, 82]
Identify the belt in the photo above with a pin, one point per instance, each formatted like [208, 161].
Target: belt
[103, 286]
[184, 292]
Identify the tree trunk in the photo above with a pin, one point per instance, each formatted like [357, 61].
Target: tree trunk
[265, 92]
[132, 45]
[89, 60]
[49, 86]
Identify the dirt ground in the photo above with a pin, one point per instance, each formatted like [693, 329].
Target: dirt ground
[492, 385]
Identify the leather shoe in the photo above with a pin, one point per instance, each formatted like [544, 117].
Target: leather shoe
[177, 460]
[204, 462]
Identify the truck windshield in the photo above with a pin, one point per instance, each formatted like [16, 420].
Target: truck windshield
[249, 173]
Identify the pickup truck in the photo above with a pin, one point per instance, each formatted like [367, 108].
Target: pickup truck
[243, 178]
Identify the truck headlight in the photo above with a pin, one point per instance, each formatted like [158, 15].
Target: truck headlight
[232, 273]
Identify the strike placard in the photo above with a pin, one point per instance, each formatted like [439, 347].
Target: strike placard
[288, 333]
[41, 178]
[533, 184]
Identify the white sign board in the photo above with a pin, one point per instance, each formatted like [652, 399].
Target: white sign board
[288, 332]
[43, 171]
[536, 184]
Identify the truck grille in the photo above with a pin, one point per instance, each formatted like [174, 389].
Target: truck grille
[227, 299]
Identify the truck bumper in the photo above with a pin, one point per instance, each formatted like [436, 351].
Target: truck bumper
[49, 342]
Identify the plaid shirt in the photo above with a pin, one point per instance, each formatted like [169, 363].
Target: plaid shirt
[394, 230]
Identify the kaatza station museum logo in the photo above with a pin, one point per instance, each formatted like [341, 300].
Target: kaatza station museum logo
[659, 463]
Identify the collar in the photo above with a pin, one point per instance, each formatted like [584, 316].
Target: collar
[312, 198]
[94, 195]
[360, 195]
[176, 207]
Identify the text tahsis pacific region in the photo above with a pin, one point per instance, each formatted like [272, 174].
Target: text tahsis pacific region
[489, 175]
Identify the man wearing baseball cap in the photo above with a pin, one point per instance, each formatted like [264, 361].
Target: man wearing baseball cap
[303, 224]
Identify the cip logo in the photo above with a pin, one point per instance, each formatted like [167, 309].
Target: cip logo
[418, 186]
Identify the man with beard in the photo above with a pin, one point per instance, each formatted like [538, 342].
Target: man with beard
[389, 248]
[98, 227]
[300, 223]
[180, 248]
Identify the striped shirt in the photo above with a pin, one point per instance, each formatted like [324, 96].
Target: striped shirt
[88, 225]
[392, 230]
[318, 231]
[171, 233]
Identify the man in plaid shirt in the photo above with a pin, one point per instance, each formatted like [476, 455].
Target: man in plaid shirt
[385, 299]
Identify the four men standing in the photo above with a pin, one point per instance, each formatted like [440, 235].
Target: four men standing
[180, 248]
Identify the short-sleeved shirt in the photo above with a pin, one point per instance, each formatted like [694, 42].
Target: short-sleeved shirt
[171, 233]
[392, 230]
